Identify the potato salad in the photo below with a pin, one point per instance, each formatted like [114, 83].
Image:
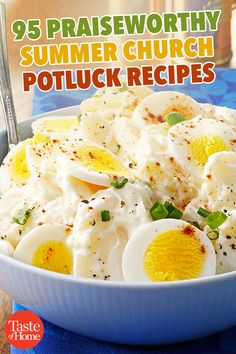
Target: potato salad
[139, 186]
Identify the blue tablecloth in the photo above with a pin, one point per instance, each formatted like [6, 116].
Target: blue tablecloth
[56, 340]
[222, 92]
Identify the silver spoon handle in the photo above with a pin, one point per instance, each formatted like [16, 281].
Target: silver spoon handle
[5, 83]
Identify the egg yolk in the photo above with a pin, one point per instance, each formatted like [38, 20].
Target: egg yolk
[18, 166]
[40, 138]
[95, 187]
[60, 125]
[54, 256]
[204, 146]
[174, 255]
[184, 110]
[100, 160]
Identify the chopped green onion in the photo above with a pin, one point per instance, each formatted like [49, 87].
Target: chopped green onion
[105, 215]
[213, 235]
[173, 212]
[123, 88]
[158, 211]
[174, 118]
[195, 223]
[22, 216]
[120, 183]
[79, 117]
[216, 219]
[169, 206]
[203, 212]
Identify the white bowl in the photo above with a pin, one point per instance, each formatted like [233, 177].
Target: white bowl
[154, 313]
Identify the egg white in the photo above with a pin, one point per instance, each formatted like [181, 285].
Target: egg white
[37, 236]
[151, 110]
[181, 135]
[55, 127]
[76, 168]
[133, 256]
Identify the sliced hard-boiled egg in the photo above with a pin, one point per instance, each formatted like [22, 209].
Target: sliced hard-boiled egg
[74, 189]
[14, 169]
[168, 250]
[55, 127]
[45, 247]
[193, 142]
[94, 165]
[154, 108]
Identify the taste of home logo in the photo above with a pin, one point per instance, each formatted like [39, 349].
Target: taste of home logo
[24, 329]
